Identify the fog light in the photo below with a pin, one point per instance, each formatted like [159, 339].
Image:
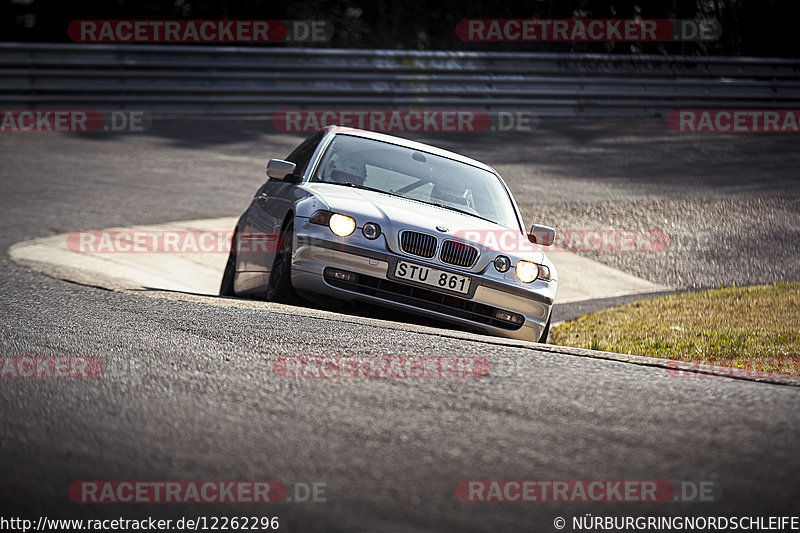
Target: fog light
[341, 275]
[506, 316]
[527, 271]
[502, 263]
[371, 230]
[342, 225]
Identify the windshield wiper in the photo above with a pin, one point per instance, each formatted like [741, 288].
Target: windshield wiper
[418, 184]
[443, 206]
[363, 187]
[451, 208]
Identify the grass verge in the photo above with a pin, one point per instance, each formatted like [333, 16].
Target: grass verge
[751, 328]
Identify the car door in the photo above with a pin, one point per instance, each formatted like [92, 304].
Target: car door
[260, 232]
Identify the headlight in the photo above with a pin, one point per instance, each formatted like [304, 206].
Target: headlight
[371, 230]
[342, 225]
[527, 271]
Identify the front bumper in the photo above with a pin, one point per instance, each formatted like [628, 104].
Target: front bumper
[315, 258]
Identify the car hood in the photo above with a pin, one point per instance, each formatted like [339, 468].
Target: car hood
[395, 214]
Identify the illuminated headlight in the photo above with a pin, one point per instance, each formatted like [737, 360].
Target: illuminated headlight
[527, 271]
[342, 225]
[502, 263]
[371, 230]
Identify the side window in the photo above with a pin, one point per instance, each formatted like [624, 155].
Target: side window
[302, 154]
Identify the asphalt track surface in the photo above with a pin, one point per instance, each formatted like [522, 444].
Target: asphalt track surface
[188, 392]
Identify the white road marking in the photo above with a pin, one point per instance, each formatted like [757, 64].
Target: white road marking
[581, 279]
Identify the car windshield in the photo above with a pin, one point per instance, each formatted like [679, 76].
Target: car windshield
[420, 176]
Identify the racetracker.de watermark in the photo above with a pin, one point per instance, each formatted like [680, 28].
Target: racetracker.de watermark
[587, 30]
[570, 240]
[172, 242]
[73, 121]
[50, 367]
[177, 492]
[381, 367]
[200, 31]
[734, 121]
[385, 120]
[586, 491]
[405, 120]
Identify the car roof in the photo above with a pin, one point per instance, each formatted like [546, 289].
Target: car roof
[391, 139]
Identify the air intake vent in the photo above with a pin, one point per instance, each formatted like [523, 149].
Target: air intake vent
[419, 244]
[458, 253]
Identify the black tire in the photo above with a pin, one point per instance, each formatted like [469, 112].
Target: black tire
[546, 332]
[226, 287]
[279, 287]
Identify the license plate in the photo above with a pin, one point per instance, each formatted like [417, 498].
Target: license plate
[432, 277]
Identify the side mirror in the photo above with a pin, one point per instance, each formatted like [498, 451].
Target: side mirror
[543, 235]
[279, 169]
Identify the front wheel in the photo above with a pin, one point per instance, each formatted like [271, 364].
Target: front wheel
[279, 288]
[226, 287]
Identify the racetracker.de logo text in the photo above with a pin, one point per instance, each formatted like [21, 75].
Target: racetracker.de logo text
[570, 240]
[177, 492]
[384, 120]
[73, 121]
[49, 367]
[200, 31]
[586, 490]
[587, 30]
[172, 242]
[734, 121]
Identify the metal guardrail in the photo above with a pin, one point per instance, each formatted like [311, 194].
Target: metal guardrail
[189, 80]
